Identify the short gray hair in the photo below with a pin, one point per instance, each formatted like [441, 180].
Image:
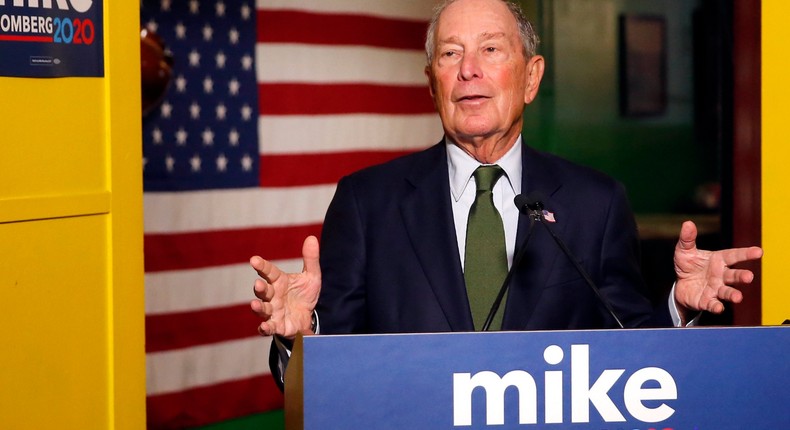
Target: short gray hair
[529, 39]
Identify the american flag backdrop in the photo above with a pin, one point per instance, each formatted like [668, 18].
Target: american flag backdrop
[271, 103]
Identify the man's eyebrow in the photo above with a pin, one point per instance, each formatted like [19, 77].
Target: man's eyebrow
[489, 36]
[450, 40]
[454, 40]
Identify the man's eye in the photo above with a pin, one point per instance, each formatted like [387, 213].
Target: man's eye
[448, 54]
[491, 49]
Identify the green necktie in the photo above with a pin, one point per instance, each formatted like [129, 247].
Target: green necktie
[485, 262]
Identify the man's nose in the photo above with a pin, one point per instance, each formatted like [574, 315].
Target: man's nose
[470, 67]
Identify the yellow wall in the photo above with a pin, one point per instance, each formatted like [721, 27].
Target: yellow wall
[776, 160]
[71, 273]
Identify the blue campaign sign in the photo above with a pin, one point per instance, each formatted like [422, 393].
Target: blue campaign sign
[705, 378]
[54, 38]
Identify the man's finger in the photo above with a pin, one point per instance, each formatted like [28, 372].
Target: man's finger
[259, 287]
[267, 328]
[688, 236]
[734, 256]
[264, 310]
[255, 305]
[737, 276]
[310, 256]
[265, 269]
[730, 294]
[260, 309]
[263, 290]
[715, 307]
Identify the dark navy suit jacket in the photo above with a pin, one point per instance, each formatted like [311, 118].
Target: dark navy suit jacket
[390, 262]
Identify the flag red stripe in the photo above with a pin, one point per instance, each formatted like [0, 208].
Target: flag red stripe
[332, 99]
[166, 332]
[288, 26]
[291, 170]
[178, 251]
[214, 403]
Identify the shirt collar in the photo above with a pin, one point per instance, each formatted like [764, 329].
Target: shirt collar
[462, 166]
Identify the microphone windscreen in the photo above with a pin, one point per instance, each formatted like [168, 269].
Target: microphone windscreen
[535, 197]
[534, 201]
[521, 201]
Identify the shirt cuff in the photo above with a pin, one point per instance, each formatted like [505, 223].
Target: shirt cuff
[316, 323]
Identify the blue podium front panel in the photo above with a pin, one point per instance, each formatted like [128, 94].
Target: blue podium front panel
[722, 378]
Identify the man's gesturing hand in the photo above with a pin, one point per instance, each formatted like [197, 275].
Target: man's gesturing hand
[705, 279]
[286, 300]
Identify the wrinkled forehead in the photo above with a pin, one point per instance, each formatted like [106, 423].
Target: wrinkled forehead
[478, 19]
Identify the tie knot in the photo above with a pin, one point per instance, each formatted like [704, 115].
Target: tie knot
[486, 177]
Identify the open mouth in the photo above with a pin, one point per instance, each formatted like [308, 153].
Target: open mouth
[471, 98]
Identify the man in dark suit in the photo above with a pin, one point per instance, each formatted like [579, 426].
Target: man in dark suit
[394, 253]
[403, 280]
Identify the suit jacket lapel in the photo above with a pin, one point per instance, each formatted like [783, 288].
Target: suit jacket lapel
[541, 253]
[428, 216]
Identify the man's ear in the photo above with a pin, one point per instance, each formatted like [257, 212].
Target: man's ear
[431, 85]
[429, 75]
[535, 68]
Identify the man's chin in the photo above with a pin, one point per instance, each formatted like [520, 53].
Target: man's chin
[475, 126]
[476, 131]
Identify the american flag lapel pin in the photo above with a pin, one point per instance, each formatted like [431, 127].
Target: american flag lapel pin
[549, 216]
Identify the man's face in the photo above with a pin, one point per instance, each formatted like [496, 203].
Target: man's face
[478, 75]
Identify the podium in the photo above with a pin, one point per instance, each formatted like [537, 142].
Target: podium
[694, 378]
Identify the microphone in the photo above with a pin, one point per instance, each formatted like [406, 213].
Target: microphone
[533, 206]
[516, 261]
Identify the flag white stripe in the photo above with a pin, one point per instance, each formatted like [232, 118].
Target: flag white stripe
[181, 369]
[181, 212]
[205, 288]
[297, 134]
[405, 9]
[318, 64]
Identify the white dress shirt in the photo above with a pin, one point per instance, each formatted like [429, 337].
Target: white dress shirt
[462, 193]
